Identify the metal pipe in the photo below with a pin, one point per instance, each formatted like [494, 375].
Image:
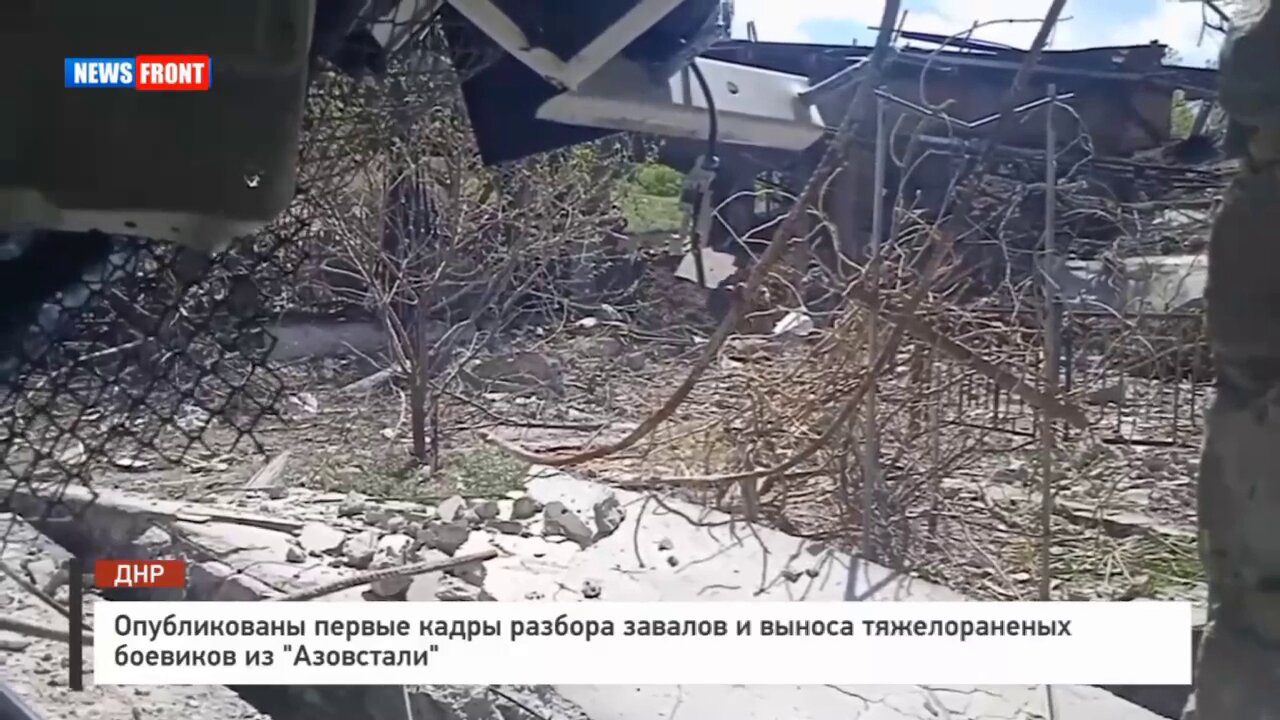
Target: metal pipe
[871, 450]
[881, 166]
[1050, 344]
[969, 125]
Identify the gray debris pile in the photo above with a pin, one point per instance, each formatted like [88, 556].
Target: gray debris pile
[378, 535]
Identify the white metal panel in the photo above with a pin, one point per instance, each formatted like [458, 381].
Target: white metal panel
[756, 107]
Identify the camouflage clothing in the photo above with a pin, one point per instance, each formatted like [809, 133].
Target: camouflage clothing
[1238, 674]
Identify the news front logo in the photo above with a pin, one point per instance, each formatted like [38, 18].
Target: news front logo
[143, 72]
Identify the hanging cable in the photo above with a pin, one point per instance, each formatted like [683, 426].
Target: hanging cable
[713, 129]
[704, 174]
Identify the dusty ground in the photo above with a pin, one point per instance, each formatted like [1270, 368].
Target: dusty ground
[1124, 528]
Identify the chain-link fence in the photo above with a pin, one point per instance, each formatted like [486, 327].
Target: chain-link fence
[152, 353]
[145, 352]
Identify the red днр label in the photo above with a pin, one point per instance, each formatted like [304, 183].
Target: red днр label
[140, 573]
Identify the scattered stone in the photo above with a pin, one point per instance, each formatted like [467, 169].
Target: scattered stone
[14, 645]
[393, 551]
[486, 509]
[583, 512]
[445, 537]
[454, 590]
[591, 589]
[155, 541]
[561, 521]
[295, 554]
[377, 517]
[665, 544]
[634, 362]
[524, 508]
[609, 515]
[396, 547]
[41, 571]
[672, 561]
[352, 505]
[507, 527]
[320, 539]
[425, 513]
[358, 549]
[472, 573]
[395, 524]
[471, 519]
[451, 508]
[130, 463]
[424, 588]
[1155, 463]
[602, 348]
[516, 373]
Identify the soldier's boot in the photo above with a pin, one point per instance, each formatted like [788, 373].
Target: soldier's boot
[1238, 674]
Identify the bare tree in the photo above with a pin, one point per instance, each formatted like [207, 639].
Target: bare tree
[446, 250]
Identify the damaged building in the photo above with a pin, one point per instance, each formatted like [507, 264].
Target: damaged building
[1130, 184]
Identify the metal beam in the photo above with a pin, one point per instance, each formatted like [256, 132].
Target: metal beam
[755, 107]
[572, 73]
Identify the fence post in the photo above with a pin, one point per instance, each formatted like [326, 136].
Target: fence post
[1050, 335]
[871, 449]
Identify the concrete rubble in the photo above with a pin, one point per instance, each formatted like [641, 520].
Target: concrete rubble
[35, 670]
[588, 541]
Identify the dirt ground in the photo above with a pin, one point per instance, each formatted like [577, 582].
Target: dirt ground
[1124, 526]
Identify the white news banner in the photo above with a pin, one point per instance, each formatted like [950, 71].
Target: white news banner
[664, 643]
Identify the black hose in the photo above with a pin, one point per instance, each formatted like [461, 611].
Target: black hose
[710, 162]
[713, 131]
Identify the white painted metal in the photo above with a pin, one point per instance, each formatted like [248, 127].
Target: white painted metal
[759, 108]
[569, 73]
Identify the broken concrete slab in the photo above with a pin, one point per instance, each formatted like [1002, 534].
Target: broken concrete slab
[861, 702]
[718, 561]
[584, 513]
[445, 537]
[358, 549]
[559, 520]
[392, 551]
[451, 509]
[485, 509]
[728, 562]
[354, 504]
[321, 539]
[524, 508]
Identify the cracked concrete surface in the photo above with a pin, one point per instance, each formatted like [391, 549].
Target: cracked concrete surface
[37, 673]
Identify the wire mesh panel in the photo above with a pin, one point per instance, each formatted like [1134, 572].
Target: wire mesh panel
[149, 354]
[133, 353]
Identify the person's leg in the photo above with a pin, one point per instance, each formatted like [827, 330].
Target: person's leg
[1238, 674]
